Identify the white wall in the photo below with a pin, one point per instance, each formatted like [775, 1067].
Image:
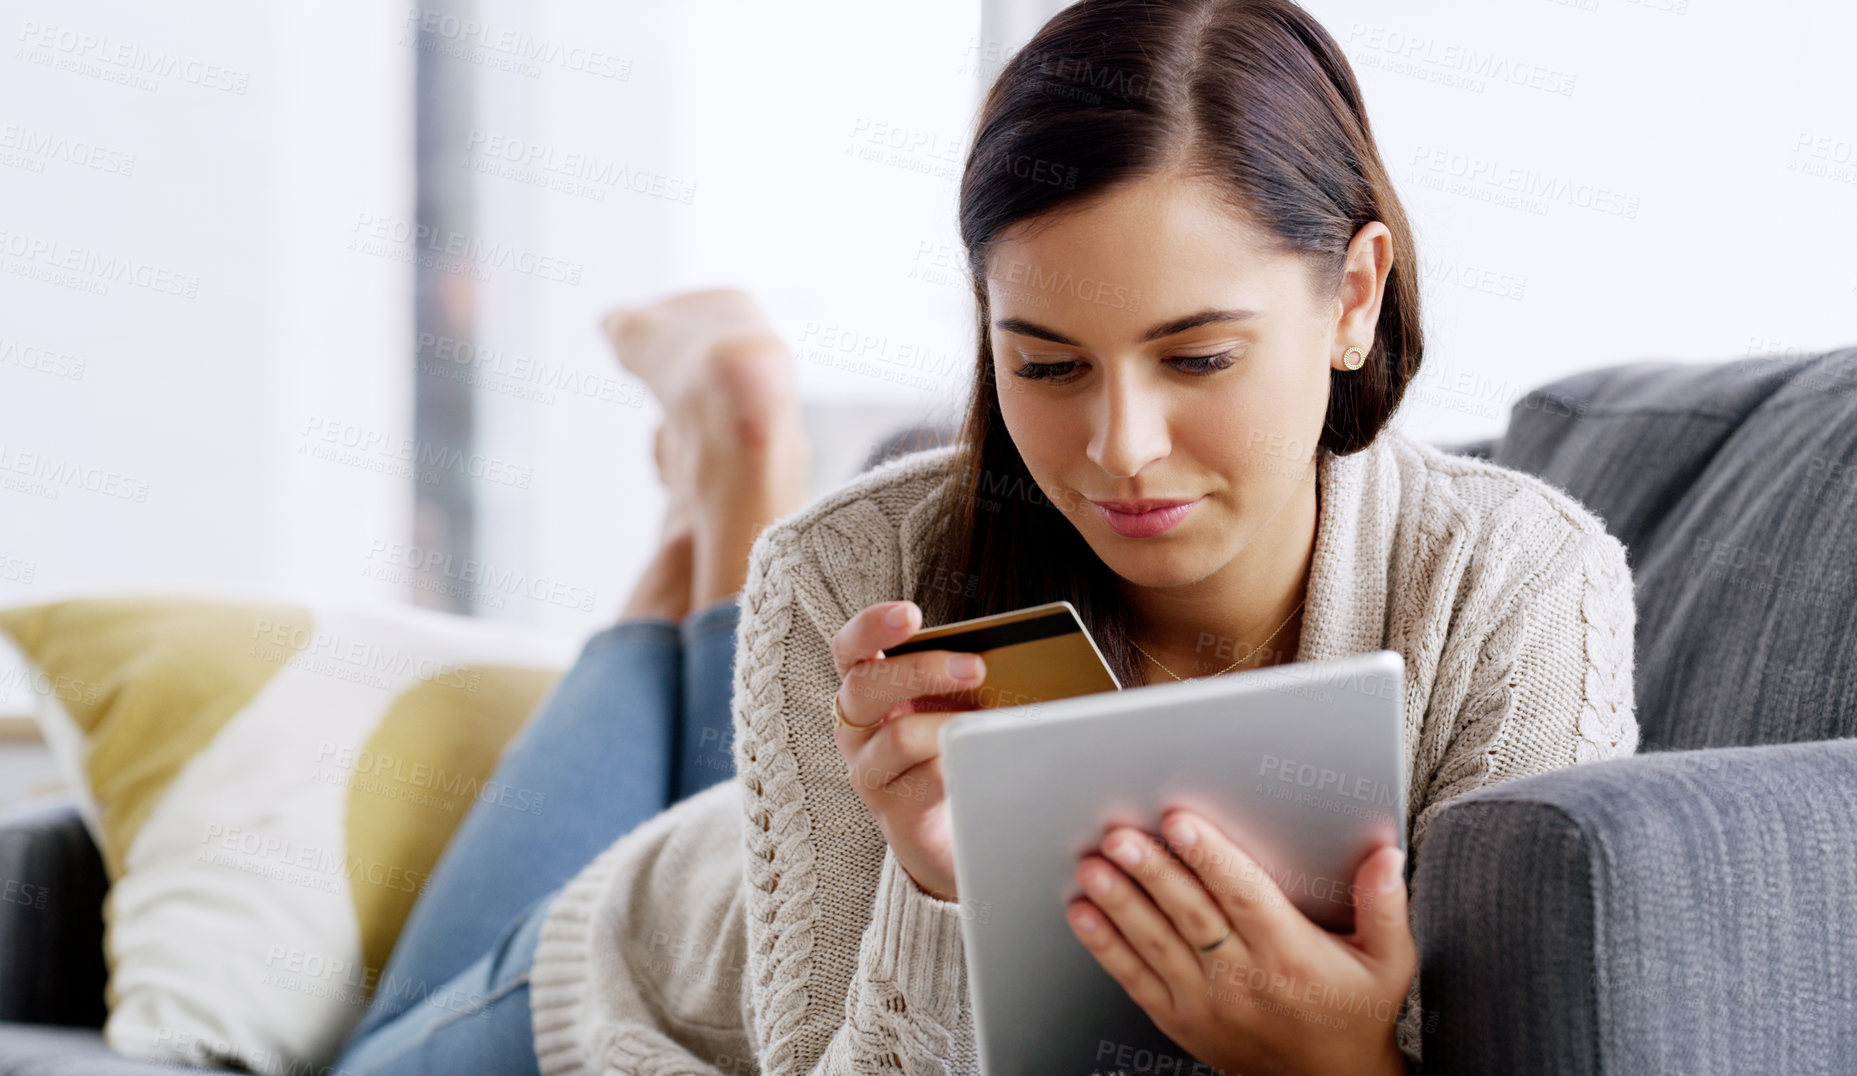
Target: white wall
[808, 152]
[1662, 207]
[177, 306]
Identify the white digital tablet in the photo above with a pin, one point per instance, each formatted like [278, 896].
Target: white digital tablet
[1302, 764]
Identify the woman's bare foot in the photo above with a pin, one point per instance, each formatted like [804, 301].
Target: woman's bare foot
[731, 450]
[660, 343]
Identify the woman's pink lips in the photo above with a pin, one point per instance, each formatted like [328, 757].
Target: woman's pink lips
[1144, 524]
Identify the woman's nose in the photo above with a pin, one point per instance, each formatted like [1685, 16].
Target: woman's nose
[1130, 427]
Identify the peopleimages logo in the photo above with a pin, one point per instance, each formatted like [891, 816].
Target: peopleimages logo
[402, 456]
[53, 147]
[1086, 289]
[467, 251]
[40, 360]
[247, 849]
[1462, 59]
[482, 578]
[59, 474]
[1324, 780]
[572, 172]
[522, 376]
[525, 50]
[350, 764]
[1515, 186]
[303, 647]
[876, 355]
[95, 268]
[82, 51]
[65, 688]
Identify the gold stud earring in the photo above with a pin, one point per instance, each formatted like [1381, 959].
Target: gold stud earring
[1353, 357]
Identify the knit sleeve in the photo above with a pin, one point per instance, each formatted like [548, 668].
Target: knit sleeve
[853, 968]
[1551, 686]
[904, 1012]
[1552, 681]
[638, 969]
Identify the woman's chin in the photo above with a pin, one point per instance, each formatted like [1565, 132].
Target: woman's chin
[1150, 567]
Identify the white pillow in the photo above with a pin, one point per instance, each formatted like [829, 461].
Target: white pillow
[270, 786]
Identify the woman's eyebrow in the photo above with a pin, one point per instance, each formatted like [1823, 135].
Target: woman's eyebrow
[1167, 328]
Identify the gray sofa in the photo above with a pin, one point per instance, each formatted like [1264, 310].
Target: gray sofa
[1692, 909]
[1689, 910]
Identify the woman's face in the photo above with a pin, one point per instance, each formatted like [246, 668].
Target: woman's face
[1182, 360]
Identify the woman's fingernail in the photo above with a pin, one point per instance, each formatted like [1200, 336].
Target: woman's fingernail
[897, 616]
[964, 666]
[1395, 876]
[1084, 922]
[1180, 833]
[1127, 853]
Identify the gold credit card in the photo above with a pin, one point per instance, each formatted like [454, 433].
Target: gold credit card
[1034, 654]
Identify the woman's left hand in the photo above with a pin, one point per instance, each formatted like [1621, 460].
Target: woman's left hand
[1280, 995]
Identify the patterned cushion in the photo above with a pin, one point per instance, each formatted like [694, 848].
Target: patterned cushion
[269, 786]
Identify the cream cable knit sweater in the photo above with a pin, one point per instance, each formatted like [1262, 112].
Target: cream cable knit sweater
[763, 925]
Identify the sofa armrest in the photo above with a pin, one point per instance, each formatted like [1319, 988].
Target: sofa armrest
[52, 885]
[1685, 911]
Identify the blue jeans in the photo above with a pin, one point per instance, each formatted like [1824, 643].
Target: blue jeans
[641, 721]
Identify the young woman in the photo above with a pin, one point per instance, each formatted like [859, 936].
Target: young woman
[1198, 310]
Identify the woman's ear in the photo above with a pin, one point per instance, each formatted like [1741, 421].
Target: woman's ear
[1363, 285]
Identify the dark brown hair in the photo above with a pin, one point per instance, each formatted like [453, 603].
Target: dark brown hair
[1251, 94]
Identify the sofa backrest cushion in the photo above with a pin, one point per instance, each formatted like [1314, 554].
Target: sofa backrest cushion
[1734, 489]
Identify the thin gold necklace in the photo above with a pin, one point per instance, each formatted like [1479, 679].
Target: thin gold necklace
[1235, 664]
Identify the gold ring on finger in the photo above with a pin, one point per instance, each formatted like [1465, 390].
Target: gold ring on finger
[839, 713]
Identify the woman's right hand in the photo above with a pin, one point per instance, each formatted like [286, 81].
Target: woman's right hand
[895, 762]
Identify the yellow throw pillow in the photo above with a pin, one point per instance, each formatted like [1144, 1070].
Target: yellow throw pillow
[270, 786]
